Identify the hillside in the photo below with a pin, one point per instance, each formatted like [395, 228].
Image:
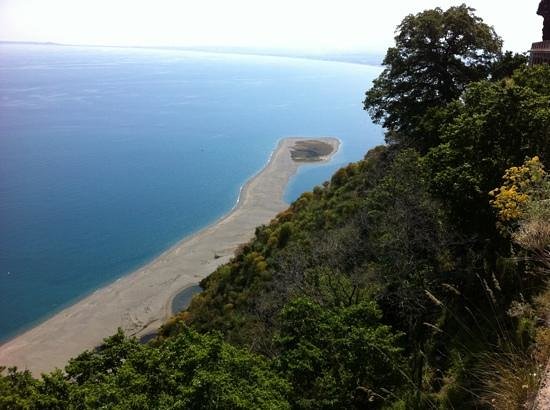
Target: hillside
[413, 279]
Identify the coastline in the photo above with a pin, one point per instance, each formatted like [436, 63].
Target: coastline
[141, 301]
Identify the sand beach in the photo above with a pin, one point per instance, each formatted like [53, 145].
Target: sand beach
[141, 301]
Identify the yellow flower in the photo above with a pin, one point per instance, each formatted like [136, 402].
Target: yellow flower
[519, 184]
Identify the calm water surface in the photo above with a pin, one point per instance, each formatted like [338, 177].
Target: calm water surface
[109, 156]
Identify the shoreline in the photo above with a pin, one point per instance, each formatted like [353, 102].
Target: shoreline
[140, 301]
[282, 143]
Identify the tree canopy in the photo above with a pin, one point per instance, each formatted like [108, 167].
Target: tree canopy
[436, 54]
[189, 371]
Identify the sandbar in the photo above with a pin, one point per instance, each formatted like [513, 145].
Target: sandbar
[141, 301]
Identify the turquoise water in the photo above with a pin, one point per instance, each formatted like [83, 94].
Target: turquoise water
[109, 156]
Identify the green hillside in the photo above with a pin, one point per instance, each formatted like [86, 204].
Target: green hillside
[413, 279]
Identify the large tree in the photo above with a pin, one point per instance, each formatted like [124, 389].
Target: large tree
[436, 54]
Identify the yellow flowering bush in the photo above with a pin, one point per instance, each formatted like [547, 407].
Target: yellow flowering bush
[521, 185]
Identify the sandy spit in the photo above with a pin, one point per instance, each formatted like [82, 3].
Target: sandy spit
[141, 301]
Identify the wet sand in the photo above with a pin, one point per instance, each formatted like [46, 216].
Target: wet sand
[141, 301]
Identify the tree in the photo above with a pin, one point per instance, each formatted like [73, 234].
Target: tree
[18, 390]
[338, 358]
[188, 371]
[506, 64]
[407, 233]
[436, 54]
[495, 126]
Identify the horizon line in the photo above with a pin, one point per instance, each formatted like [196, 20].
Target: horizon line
[353, 57]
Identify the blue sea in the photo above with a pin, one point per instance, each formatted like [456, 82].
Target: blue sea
[108, 156]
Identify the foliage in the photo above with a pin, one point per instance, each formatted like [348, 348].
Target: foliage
[505, 66]
[495, 126]
[510, 381]
[337, 358]
[521, 185]
[436, 54]
[533, 230]
[190, 371]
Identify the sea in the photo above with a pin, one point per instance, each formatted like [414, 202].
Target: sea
[109, 156]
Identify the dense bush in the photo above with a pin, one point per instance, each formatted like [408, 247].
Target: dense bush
[189, 371]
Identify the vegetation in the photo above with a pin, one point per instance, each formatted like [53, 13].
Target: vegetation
[310, 150]
[436, 55]
[190, 371]
[413, 279]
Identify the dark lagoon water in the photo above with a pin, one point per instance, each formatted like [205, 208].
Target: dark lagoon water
[109, 156]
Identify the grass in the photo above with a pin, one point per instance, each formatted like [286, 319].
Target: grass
[510, 381]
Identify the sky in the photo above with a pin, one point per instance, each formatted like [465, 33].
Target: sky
[297, 25]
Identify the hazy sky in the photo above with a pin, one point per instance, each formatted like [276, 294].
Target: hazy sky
[315, 25]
